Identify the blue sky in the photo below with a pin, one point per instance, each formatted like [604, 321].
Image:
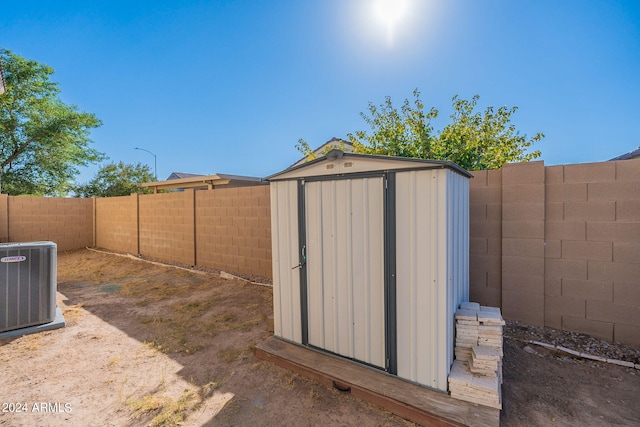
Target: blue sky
[230, 86]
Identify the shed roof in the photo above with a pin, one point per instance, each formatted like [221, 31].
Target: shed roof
[204, 182]
[337, 162]
[333, 143]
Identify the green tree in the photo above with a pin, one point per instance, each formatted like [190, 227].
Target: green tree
[117, 179]
[303, 147]
[473, 140]
[43, 141]
[486, 140]
[404, 133]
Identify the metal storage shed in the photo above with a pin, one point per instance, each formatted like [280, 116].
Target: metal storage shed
[371, 260]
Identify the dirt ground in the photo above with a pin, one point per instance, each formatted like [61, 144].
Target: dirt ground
[155, 345]
[543, 387]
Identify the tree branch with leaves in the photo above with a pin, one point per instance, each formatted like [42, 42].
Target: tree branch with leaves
[43, 141]
[474, 140]
[117, 179]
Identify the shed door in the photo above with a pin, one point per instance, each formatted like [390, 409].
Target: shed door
[345, 267]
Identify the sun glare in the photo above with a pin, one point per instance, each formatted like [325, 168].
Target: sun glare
[389, 12]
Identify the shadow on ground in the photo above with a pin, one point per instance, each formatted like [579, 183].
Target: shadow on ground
[209, 326]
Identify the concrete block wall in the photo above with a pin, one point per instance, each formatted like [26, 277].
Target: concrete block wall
[569, 245]
[523, 267]
[4, 218]
[67, 222]
[233, 230]
[167, 226]
[116, 223]
[485, 238]
[227, 229]
[593, 264]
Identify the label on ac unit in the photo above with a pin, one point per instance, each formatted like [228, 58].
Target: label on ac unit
[15, 258]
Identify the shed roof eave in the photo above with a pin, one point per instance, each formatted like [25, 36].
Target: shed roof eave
[338, 154]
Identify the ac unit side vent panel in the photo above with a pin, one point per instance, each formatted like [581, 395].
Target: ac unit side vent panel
[28, 282]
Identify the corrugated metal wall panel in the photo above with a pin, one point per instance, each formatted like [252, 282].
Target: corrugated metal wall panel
[345, 267]
[445, 338]
[421, 286]
[457, 252]
[318, 219]
[284, 242]
[451, 267]
[368, 270]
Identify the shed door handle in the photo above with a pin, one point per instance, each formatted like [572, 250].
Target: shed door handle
[303, 261]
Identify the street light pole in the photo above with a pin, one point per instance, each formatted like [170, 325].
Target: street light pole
[155, 161]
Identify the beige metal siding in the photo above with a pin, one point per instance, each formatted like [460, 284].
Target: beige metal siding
[345, 254]
[284, 240]
[457, 251]
[431, 257]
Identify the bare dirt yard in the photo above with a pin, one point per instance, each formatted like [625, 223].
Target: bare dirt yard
[147, 344]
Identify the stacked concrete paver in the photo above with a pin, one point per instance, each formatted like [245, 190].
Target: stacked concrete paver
[476, 374]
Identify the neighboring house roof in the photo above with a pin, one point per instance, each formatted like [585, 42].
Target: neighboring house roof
[180, 175]
[203, 182]
[334, 142]
[630, 155]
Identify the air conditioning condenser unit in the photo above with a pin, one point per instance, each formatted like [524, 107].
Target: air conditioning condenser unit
[27, 284]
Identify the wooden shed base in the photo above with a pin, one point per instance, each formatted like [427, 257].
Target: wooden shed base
[407, 400]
